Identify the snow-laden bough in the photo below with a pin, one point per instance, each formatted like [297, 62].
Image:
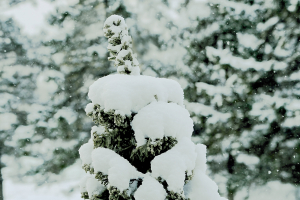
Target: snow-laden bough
[141, 145]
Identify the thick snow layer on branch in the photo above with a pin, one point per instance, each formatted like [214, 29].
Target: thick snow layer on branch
[83, 184]
[292, 122]
[150, 189]
[200, 109]
[237, 8]
[89, 108]
[201, 157]
[249, 40]
[94, 187]
[23, 132]
[160, 119]
[270, 22]
[67, 113]
[7, 120]
[127, 94]
[118, 169]
[85, 152]
[226, 57]
[201, 185]
[172, 165]
[212, 89]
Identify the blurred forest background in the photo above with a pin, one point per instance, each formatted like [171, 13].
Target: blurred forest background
[238, 62]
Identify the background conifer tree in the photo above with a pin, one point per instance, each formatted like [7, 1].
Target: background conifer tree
[66, 63]
[15, 81]
[243, 60]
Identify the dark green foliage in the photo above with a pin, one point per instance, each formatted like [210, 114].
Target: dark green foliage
[143, 155]
[119, 137]
[102, 178]
[85, 195]
[115, 194]
[170, 194]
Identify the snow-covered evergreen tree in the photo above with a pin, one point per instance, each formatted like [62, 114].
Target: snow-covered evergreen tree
[244, 88]
[141, 145]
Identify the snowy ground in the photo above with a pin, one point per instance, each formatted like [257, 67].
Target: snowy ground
[60, 191]
[62, 187]
[272, 191]
[66, 188]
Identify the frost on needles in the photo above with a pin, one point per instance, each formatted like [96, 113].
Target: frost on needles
[141, 145]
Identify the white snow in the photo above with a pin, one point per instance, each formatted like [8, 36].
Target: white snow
[171, 165]
[128, 94]
[130, 65]
[247, 159]
[236, 8]
[58, 58]
[118, 169]
[94, 187]
[270, 22]
[212, 89]
[201, 157]
[273, 190]
[85, 152]
[249, 40]
[89, 108]
[111, 21]
[23, 132]
[208, 31]
[98, 129]
[150, 189]
[201, 185]
[292, 122]
[295, 76]
[7, 120]
[67, 113]
[46, 87]
[62, 186]
[8, 71]
[226, 57]
[160, 119]
[200, 109]
[182, 81]
[82, 183]
[49, 146]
